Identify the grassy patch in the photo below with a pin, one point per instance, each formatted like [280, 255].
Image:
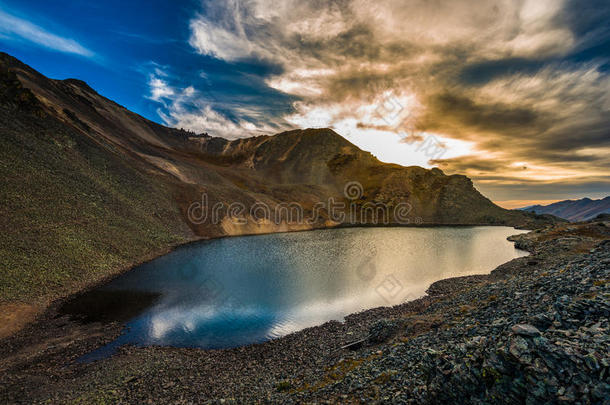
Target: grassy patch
[283, 386]
[73, 211]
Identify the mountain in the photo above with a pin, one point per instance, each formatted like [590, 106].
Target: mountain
[573, 210]
[91, 188]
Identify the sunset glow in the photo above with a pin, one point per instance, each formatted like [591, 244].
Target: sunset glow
[515, 94]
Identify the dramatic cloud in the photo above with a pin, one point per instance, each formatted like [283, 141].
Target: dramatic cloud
[16, 28]
[191, 109]
[517, 92]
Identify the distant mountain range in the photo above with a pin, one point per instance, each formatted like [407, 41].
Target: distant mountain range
[90, 187]
[573, 210]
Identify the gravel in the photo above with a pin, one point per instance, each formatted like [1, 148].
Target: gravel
[535, 330]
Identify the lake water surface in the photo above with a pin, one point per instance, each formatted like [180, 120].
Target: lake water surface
[241, 290]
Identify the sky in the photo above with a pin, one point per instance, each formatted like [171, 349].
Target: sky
[514, 94]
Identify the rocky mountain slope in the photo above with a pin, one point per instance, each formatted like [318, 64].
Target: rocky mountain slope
[90, 188]
[574, 210]
[534, 331]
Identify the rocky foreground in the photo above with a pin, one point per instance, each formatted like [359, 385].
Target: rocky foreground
[535, 330]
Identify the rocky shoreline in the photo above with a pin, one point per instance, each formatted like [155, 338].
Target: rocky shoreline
[535, 330]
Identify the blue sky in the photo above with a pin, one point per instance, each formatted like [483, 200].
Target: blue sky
[513, 93]
[122, 43]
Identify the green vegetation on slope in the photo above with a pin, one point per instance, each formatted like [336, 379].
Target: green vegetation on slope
[89, 188]
[72, 211]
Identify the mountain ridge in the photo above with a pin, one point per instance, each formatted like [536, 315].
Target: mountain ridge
[573, 210]
[91, 188]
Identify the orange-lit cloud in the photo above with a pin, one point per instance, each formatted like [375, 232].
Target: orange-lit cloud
[514, 204]
[502, 85]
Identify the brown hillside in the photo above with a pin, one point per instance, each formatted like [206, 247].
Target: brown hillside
[89, 188]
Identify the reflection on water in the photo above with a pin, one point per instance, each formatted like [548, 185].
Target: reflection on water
[236, 291]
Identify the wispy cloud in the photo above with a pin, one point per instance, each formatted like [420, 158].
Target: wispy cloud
[189, 108]
[15, 28]
[502, 76]
[159, 89]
